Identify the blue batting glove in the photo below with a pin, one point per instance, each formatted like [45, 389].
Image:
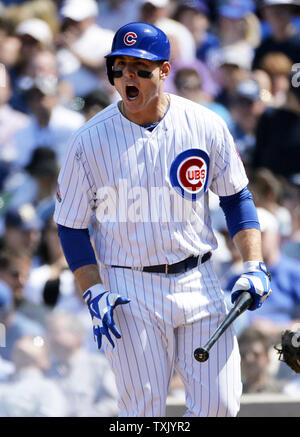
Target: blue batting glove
[101, 305]
[256, 280]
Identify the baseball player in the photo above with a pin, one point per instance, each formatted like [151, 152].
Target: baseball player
[138, 174]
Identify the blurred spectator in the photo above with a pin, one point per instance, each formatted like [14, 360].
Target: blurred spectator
[210, 88]
[158, 12]
[51, 123]
[153, 10]
[85, 378]
[95, 102]
[36, 184]
[233, 69]
[232, 28]
[278, 67]
[278, 137]
[195, 15]
[45, 10]
[15, 266]
[6, 25]
[80, 55]
[29, 393]
[44, 63]
[291, 246]
[52, 284]
[188, 84]
[34, 35]
[10, 48]
[233, 24]
[15, 323]
[268, 192]
[10, 122]
[264, 81]
[22, 229]
[255, 363]
[115, 13]
[285, 37]
[43, 169]
[246, 108]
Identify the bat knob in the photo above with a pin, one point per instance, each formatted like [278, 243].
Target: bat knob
[201, 354]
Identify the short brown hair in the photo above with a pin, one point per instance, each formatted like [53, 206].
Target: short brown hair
[187, 76]
[276, 63]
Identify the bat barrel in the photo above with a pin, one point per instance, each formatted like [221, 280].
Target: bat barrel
[242, 303]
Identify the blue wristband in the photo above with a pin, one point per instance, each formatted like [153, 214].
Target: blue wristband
[240, 212]
[76, 246]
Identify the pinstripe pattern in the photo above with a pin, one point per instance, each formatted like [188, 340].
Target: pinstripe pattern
[168, 316]
[165, 321]
[109, 149]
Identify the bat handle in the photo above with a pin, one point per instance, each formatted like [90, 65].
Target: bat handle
[242, 303]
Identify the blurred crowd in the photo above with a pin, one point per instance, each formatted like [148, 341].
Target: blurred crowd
[240, 59]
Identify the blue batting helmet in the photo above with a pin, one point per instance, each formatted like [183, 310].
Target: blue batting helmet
[140, 40]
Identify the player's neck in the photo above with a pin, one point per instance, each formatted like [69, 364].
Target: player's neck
[150, 114]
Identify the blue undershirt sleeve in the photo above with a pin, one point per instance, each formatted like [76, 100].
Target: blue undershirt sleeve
[240, 212]
[77, 247]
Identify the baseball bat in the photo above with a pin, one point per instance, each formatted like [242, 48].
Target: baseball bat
[242, 303]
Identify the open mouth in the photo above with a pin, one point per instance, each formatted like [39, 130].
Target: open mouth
[132, 92]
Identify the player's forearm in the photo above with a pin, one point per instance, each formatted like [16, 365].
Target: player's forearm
[80, 256]
[87, 276]
[248, 242]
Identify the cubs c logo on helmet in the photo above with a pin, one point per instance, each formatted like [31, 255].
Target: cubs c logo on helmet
[130, 38]
[189, 173]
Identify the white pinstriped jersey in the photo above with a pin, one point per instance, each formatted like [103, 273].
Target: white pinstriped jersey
[121, 178]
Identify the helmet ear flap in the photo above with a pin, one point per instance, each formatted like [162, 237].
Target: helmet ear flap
[109, 69]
